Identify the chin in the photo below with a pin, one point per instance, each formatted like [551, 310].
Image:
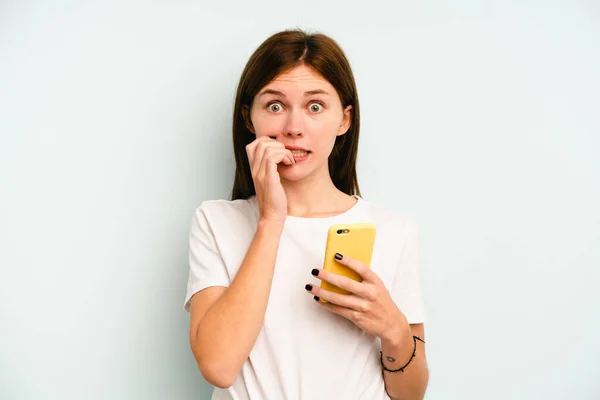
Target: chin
[292, 173]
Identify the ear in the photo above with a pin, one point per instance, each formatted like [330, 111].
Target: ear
[247, 120]
[346, 121]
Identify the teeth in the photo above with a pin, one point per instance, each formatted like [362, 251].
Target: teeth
[299, 153]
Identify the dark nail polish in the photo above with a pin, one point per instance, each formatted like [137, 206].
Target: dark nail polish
[338, 256]
[315, 272]
[308, 287]
[317, 298]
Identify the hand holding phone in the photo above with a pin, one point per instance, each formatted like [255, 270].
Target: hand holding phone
[355, 240]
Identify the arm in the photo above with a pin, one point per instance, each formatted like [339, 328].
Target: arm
[372, 309]
[375, 310]
[397, 349]
[397, 341]
[225, 322]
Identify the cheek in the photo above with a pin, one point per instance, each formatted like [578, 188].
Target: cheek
[325, 124]
[267, 126]
[323, 132]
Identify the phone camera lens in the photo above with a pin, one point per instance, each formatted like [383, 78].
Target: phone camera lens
[339, 231]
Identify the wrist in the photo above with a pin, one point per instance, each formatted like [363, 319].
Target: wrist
[269, 225]
[398, 333]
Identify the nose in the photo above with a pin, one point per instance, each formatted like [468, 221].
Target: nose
[294, 124]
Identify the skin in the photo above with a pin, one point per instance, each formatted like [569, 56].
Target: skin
[310, 121]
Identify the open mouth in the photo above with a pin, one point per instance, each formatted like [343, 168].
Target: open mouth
[300, 155]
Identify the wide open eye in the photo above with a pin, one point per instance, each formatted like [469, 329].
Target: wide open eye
[315, 107]
[274, 107]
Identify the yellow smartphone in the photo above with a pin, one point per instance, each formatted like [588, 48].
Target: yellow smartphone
[355, 240]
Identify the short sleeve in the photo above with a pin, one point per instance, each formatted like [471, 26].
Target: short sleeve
[406, 288]
[206, 264]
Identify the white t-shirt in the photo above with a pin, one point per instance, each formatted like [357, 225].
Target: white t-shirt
[304, 351]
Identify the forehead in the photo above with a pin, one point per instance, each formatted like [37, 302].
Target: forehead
[300, 76]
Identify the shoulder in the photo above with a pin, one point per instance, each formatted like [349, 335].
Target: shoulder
[219, 210]
[228, 209]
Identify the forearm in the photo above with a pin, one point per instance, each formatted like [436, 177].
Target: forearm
[228, 331]
[397, 349]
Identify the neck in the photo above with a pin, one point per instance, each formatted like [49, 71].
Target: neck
[315, 195]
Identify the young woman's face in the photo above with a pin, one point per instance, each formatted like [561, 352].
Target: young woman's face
[302, 110]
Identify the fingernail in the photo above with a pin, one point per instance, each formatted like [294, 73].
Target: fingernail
[315, 272]
[338, 256]
[317, 298]
[308, 287]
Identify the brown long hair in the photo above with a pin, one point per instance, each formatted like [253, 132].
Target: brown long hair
[278, 54]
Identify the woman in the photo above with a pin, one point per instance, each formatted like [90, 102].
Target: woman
[256, 330]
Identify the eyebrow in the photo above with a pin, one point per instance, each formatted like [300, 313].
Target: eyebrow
[308, 93]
